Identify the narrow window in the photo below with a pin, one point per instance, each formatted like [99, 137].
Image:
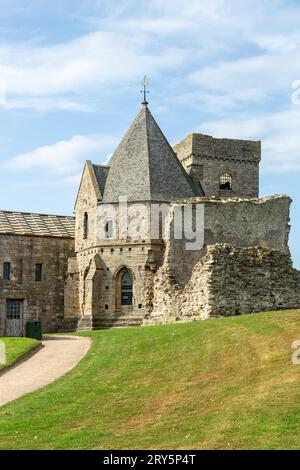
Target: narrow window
[161, 228]
[126, 289]
[6, 271]
[109, 229]
[85, 225]
[38, 272]
[226, 182]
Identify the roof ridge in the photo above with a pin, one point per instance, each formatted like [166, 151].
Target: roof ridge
[100, 165]
[185, 174]
[5, 211]
[147, 112]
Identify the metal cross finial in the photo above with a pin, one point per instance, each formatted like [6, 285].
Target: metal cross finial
[145, 83]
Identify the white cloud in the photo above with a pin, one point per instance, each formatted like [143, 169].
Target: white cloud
[45, 104]
[256, 79]
[235, 52]
[279, 133]
[151, 37]
[65, 157]
[82, 64]
[263, 45]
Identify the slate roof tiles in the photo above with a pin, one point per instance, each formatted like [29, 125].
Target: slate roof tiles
[24, 223]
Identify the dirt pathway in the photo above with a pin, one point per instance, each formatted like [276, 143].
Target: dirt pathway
[59, 355]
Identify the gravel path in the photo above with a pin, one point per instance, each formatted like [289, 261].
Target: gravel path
[59, 355]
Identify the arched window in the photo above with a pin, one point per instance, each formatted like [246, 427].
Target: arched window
[226, 181]
[109, 229]
[126, 289]
[85, 225]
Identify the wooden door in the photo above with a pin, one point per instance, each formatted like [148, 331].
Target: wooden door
[14, 318]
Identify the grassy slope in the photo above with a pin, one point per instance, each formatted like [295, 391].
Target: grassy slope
[226, 383]
[16, 348]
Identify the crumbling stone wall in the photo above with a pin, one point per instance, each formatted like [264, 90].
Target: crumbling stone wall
[241, 222]
[228, 280]
[180, 289]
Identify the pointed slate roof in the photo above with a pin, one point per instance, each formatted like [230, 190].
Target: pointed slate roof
[145, 168]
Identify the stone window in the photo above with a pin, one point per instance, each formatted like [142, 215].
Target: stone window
[6, 271]
[38, 272]
[126, 289]
[85, 225]
[226, 182]
[109, 229]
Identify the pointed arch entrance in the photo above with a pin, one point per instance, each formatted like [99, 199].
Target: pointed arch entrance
[124, 289]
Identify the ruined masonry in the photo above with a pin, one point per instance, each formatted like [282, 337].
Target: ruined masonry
[85, 274]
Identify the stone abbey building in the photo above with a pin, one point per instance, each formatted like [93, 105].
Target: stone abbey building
[123, 261]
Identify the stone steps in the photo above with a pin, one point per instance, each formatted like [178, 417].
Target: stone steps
[116, 321]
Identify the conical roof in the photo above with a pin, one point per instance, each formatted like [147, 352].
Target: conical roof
[144, 167]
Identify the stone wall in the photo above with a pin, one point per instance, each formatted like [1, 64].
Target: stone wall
[92, 286]
[45, 299]
[241, 222]
[228, 280]
[87, 201]
[206, 158]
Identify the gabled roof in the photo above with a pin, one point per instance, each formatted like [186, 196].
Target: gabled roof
[25, 223]
[101, 173]
[145, 168]
[98, 175]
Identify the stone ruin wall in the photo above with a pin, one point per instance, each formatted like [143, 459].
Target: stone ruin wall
[240, 222]
[244, 267]
[228, 280]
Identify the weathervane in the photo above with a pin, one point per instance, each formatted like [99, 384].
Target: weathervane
[145, 83]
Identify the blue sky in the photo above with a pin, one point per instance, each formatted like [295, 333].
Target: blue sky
[71, 71]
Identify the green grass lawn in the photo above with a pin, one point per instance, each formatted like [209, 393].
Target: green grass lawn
[218, 384]
[16, 348]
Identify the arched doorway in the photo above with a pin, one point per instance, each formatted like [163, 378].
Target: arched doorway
[124, 290]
